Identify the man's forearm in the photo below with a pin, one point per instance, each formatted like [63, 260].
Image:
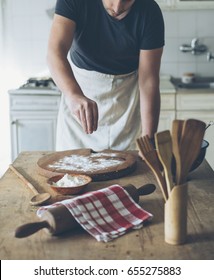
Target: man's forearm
[149, 69]
[62, 74]
[150, 109]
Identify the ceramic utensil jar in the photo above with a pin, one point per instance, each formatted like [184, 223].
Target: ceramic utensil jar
[175, 216]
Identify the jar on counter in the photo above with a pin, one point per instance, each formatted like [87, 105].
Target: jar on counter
[188, 78]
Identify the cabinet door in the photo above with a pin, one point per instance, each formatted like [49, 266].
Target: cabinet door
[205, 116]
[195, 102]
[165, 121]
[33, 131]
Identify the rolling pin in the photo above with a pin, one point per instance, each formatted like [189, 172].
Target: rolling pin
[59, 220]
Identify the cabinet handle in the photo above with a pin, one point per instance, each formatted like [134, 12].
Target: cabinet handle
[13, 122]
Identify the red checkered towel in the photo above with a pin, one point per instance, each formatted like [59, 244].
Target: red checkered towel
[106, 214]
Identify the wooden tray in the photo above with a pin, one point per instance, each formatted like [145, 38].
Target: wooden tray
[102, 165]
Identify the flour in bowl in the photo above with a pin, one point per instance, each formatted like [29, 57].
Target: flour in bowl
[70, 181]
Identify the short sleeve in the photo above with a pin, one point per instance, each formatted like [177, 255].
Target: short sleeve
[152, 35]
[68, 8]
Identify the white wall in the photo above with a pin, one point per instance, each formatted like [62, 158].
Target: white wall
[26, 30]
[181, 27]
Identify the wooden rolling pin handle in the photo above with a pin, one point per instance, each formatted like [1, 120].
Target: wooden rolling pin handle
[30, 228]
[146, 189]
[136, 193]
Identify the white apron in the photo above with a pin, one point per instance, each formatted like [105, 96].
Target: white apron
[118, 101]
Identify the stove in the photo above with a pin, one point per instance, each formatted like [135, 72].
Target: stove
[39, 83]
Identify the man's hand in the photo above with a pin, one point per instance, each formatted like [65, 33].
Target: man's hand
[85, 110]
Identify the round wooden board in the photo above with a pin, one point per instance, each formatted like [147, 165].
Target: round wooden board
[102, 165]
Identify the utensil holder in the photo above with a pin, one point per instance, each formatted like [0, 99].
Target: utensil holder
[175, 216]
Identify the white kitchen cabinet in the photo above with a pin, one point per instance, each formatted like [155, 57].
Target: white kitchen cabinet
[33, 116]
[198, 105]
[186, 4]
[167, 113]
[165, 3]
[192, 4]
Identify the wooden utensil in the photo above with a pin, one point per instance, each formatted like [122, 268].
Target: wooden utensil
[56, 220]
[38, 198]
[141, 191]
[59, 220]
[190, 145]
[163, 144]
[177, 126]
[152, 161]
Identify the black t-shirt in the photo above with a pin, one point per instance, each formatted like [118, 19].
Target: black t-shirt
[107, 45]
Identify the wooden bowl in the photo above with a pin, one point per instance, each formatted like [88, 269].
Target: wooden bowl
[67, 189]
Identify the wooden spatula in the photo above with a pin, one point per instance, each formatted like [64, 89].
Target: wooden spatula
[177, 126]
[163, 142]
[190, 145]
[152, 161]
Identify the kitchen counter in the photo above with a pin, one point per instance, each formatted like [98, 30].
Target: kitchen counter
[175, 86]
[199, 85]
[36, 90]
[166, 85]
[195, 91]
[145, 243]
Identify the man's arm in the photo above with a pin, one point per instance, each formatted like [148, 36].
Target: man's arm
[149, 68]
[60, 40]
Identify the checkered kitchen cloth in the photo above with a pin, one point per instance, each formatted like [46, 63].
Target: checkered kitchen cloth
[106, 214]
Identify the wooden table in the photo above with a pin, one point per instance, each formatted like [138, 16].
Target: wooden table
[146, 243]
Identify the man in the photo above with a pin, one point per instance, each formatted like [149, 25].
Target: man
[110, 86]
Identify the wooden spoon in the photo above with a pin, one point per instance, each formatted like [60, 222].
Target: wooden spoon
[190, 145]
[177, 127]
[151, 158]
[38, 198]
[163, 142]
